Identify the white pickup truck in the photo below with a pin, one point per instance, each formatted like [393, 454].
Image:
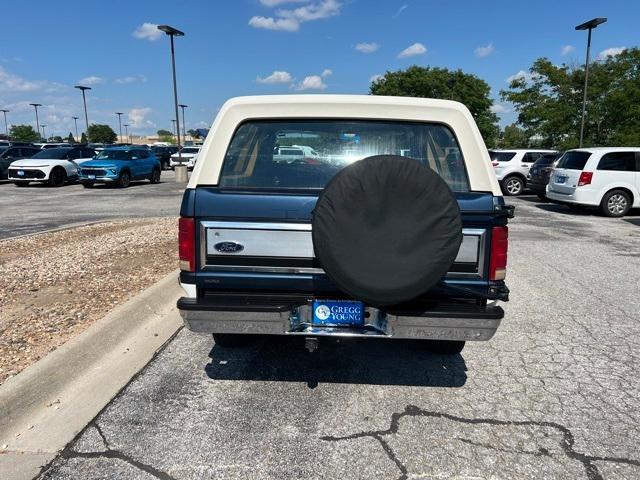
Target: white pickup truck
[405, 237]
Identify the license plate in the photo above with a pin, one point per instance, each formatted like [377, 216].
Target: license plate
[338, 313]
[92, 177]
[21, 173]
[560, 179]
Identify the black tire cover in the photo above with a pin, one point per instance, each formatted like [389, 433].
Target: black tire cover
[386, 229]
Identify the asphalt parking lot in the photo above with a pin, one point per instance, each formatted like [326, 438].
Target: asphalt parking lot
[555, 394]
[39, 208]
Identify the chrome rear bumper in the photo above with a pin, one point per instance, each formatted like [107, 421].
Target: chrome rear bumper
[451, 325]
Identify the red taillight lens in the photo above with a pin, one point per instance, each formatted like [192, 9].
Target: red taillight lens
[499, 247]
[585, 179]
[495, 163]
[187, 244]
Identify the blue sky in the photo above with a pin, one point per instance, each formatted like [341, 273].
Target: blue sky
[244, 47]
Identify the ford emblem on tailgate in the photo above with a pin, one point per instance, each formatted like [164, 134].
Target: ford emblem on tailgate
[228, 247]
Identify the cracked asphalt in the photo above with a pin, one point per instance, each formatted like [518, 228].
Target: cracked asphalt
[555, 394]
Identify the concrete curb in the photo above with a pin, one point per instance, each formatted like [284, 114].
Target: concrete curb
[45, 406]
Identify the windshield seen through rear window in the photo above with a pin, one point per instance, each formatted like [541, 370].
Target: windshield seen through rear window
[501, 156]
[574, 160]
[306, 154]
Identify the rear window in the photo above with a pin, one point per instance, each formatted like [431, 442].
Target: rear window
[501, 156]
[256, 156]
[574, 160]
[546, 159]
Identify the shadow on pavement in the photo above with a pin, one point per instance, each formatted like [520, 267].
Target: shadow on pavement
[355, 361]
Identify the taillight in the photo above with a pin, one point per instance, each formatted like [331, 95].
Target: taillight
[187, 244]
[495, 163]
[499, 247]
[585, 179]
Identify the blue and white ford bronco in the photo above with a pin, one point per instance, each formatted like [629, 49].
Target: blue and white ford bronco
[393, 227]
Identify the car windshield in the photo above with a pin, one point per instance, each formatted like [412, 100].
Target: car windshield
[574, 160]
[501, 156]
[189, 150]
[262, 153]
[546, 159]
[114, 155]
[52, 153]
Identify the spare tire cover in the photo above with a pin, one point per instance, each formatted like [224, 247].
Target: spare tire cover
[386, 229]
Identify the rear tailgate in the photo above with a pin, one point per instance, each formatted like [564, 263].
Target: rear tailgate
[261, 241]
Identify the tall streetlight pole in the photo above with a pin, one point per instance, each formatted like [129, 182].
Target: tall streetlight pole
[84, 101]
[173, 127]
[44, 134]
[36, 105]
[120, 123]
[126, 132]
[184, 125]
[590, 25]
[173, 32]
[75, 120]
[6, 127]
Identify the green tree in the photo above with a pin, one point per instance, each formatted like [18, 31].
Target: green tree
[71, 139]
[513, 137]
[166, 138]
[193, 133]
[83, 138]
[23, 133]
[432, 82]
[548, 100]
[56, 139]
[101, 133]
[164, 133]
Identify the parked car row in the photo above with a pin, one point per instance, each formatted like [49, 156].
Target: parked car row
[119, 164]
[607, 178]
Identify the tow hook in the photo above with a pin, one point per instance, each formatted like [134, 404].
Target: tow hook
[311, 344]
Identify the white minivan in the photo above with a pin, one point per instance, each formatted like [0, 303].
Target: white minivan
[604, 177]
[512, 167]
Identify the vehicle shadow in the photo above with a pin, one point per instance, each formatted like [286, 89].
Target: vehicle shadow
[354, 361]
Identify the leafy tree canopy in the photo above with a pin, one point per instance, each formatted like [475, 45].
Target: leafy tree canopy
[164, 133]
[432, 82]
[23, 133]
[548, 100]
[101, 133]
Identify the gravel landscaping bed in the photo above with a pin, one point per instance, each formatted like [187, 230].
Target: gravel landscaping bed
[54, 285]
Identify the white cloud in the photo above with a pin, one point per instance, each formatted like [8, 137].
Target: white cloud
[131, 79]
[138, 117]
[270, 23]
[367, 47]
[92, 80]
[376, 77]
[312, 82]
[326, 73]
[275, 3]
[148, 31]
[290, 19]
[499, 108]
[611, 52]
[14, 83]
[484, 51]
[400, 10]
[412, 50]
[276, 77]
[566, 50]
[526, 76]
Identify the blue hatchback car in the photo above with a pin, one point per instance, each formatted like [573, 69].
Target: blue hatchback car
[119, 166]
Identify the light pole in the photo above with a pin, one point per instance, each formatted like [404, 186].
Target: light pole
[184, 125]
[120, 124]
[36, 105]
[6, 127]
[126, 132]
[173, 127]
[173, 32]
[44, 135]
[590, 25]
[75, 120]
[84, 101]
